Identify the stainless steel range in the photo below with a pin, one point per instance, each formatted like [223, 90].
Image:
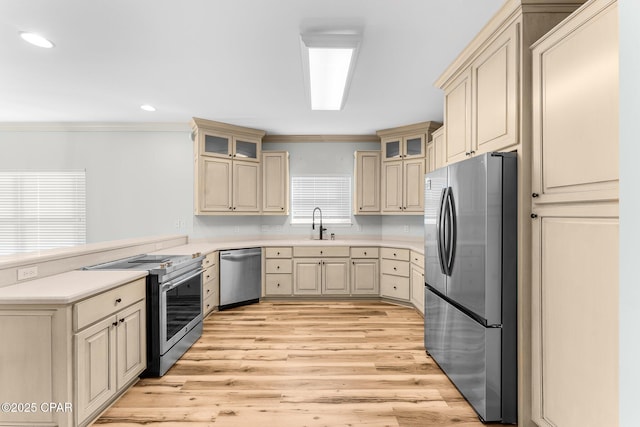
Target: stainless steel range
[174, 305]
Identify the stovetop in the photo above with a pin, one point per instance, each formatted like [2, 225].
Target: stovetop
[154, 264]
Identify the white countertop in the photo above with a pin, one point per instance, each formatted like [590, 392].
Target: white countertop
[66, 288]
[208, 247]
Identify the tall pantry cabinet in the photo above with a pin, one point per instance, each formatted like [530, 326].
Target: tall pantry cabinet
[487, 107]
[575, 220]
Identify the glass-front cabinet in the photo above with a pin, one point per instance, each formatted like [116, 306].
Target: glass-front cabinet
[229, 146]
[406, 147]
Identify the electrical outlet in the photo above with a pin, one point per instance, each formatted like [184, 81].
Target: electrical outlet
[406, 228]
[27, 273]
[236, 229]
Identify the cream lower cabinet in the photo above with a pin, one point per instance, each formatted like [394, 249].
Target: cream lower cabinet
[365, 271]
[210, 283]
[321, 270]
[82, 355]
[278, 271]
[394, 278]
[575, 224]
[416, 280]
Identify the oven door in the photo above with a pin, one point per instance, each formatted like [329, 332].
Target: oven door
[180, 308]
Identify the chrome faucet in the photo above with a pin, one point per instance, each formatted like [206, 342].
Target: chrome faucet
[313, 221]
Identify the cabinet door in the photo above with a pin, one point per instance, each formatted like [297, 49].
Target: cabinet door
[413, 147]
[215, 144]
[392, 148]
[275, 182]
[131, 343]
[575, 310]
[364, 277]
[440, 149]
[95, 366]
[417, 287]
[495, 74]
[307, 276]
[367, 182]
[246, 148]
[245, 187]
[457, 118]
[431, 157]
[335, 276]
[413, 186]
[392, 187]
[215, 185]
[575, 110]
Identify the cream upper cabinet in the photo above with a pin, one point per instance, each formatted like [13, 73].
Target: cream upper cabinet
[575, 223]
[575, 130]
[431, 157]
[494, 84]
[437, 158]
[275, 182]
[457, 118]
[403, 147]
[403, 167]
[228, 178]
[366, 196]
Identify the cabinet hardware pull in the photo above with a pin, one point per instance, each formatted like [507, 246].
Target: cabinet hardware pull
[534, 195]
[365, 253]
[118, 300]
[353, 262]
[472, 152]
[320, 252]
[230, 207]
[395, 268]
[277, 253]
[394, 254]
[115, 323]
[278, 267]
[534, 216]
[278, 285]
[230, 155]
[395, 287]
[208, 290]
[281, 209]
[467, 154]
[121, 320]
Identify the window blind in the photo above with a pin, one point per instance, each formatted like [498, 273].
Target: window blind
[41, 210]
[332, 194]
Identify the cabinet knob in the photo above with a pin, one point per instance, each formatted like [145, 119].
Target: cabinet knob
[119, 300]
[353, 262]
[467, 154]
[278, 267]
[360, 207]
[208, 290]
[534, 195]
[394, 254]
[472, 152]
[234, 208]
[121, 320]
[400, 207]
[278, 285]
[395, 268]
[230, 207]
[277, 253]
[281, 209]
[534, 216]
[114, 323]
[320, 252]
[230, 155]
[395, 287]
[365, 252]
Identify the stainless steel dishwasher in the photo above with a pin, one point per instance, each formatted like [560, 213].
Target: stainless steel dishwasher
[240, 277]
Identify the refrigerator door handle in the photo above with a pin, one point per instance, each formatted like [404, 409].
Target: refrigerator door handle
[453, 229]
[440, 231]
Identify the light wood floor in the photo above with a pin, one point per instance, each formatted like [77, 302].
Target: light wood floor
[281, 364]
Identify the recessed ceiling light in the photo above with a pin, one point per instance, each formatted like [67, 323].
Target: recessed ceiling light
[36, 40]
[147, 107]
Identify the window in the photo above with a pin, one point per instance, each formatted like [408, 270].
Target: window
[41, 210]
[332, 194]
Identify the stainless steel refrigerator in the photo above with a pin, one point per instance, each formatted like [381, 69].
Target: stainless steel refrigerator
[470, 318]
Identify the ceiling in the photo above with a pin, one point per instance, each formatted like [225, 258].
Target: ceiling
[235, 61]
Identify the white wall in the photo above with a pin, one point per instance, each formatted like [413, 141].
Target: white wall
[629, 212]
[140, 183]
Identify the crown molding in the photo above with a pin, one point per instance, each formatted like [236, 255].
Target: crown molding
[321, 138]
[93, 127]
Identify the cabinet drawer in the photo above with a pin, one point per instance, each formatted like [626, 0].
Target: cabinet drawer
[417, 259]
[209, 304]
[398, 268]
[278, 266]
[394, 253]
[210, 260]
[278, 252]
[209, 275]
[95, 308]
[209, 288]
[364, 252]
[321, 251]
[278, 284]
[394, 287]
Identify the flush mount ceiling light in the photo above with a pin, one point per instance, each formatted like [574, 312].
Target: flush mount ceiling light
[36, 40]
[147, 107]
[328, 63]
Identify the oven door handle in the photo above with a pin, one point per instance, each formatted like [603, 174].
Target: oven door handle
[170, 285]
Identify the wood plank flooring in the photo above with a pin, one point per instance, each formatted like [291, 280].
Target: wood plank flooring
[295, 364]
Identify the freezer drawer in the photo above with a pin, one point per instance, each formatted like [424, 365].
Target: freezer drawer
[467, 352]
